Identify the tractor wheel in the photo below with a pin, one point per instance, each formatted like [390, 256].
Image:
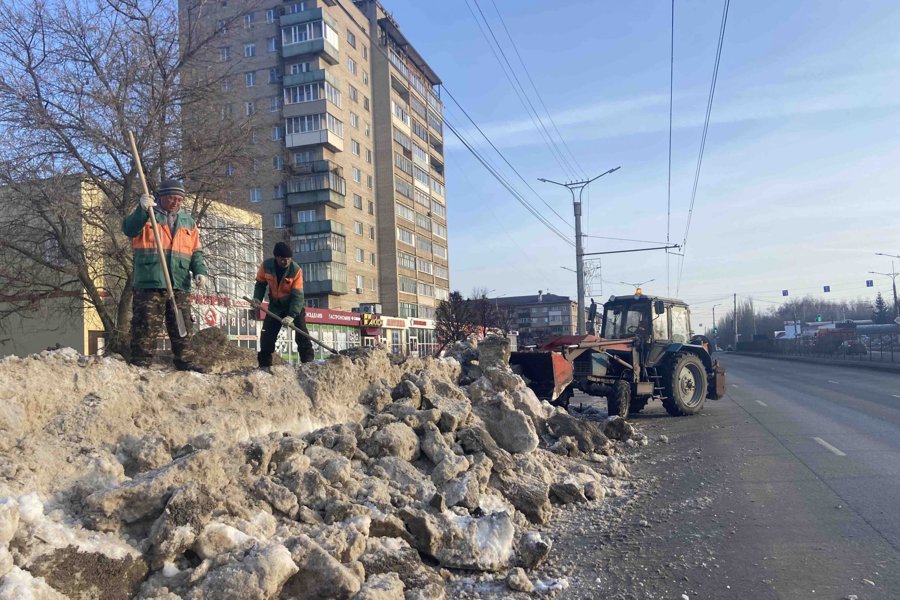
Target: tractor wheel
[637, 405]
[685, 385]
[620, 400]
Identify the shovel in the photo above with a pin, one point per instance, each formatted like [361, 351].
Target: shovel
[292, 326]
[179, 318]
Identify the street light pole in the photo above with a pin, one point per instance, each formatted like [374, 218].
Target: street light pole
[715, 325]
[579, 253]
[893, 277]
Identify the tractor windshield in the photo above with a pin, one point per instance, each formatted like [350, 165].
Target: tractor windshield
[622, 322]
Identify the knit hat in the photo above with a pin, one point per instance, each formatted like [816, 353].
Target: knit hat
[170, 187]
[283, 250]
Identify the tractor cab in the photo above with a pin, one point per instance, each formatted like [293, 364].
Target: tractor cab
[647, 319]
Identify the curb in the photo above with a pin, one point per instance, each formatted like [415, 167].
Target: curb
[869, 365]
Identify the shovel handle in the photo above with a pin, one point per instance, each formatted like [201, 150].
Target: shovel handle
[179, 318]
[292, 326]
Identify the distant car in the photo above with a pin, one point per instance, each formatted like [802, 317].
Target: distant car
[852, 347]
[729, 349]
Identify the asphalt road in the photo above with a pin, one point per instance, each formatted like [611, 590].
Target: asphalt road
[787, 488]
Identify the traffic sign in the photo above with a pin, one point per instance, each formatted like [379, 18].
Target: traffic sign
[869, 283]
[818, 318]
[827, 288]
[784, 292]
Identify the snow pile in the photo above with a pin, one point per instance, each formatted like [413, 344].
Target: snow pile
[363, 477]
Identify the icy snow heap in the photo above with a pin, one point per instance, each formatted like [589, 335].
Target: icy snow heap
[355, 478]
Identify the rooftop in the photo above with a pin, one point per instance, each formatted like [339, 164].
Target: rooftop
[532, 299]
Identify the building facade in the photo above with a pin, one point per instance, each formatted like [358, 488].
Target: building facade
[537, 318]
[333, 97]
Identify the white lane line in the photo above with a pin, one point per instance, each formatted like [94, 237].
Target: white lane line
[833, 381]
[735, 385]
[895, 395]
[828, 446]
[761, 403]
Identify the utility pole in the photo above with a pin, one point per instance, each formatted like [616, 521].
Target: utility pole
[735, 322]
[579, 252]
[893, 275]
[715, 328]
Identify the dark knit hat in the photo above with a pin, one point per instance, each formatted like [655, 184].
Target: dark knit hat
[170, 187]
[283, 250]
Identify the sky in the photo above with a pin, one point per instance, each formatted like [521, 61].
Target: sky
[800, 175]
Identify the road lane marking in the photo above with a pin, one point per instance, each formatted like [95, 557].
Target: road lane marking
[833, 381]
[828, 446]
[895, 395]
[735, 385]
[761, 403]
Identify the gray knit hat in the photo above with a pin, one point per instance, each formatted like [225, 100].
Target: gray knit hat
[170, 187]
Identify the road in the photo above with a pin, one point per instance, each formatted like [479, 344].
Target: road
[787, 488]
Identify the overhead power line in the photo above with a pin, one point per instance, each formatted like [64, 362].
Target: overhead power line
[709, 105]
[511, 76]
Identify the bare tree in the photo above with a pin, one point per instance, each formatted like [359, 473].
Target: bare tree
[453, 319]
[74, 78]
[485, 313]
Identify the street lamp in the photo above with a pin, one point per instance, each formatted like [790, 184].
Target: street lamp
[715, 328]
[579, 253]
[893, 275]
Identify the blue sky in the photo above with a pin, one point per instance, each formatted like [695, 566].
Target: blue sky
[799, 186]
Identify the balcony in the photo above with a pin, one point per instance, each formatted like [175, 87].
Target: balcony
[314, 138]
[329, 286]
[318, 46]
[311, 77]
[326, 226]
[315, 256]
[316, 198]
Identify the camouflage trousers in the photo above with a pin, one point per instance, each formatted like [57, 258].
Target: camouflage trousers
[270, 329]
[150, 311]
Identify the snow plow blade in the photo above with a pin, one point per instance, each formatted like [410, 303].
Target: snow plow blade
[548, 374]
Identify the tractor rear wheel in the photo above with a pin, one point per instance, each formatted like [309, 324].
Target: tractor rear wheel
[685, 385]
[619, 401]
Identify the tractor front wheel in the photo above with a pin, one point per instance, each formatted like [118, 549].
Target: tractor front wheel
[685, 385]
[619, 401]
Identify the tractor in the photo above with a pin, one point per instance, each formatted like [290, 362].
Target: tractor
[645, 352]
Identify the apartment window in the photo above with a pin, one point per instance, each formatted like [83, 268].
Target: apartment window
[357, 175]
[418, 107]
[403, 188]
[222, 26]
[372, 260]
[437, 187]
[423, 222]
[302, 32]
[425, 266]
[309, 92]
[402, 139]
[250, 79]
[408, 310]
[366, 102]
[407, 284]
[370, 181]
[368, 130]
[425, 289]
[317, 242]
[422, 176]
[351, 39]
[440, 230]
[403, 163]
[353, 93]
[225, 54]
[351, 65]
[303, 157]
[371, 207]
[255, 194]
[278, 163]
[422, 198]
[229, 170]
[400, 112]
[278, 219]
[369, 155]
[249, 108]
[270, 15]
[278, 191]
[297, 68]
[357, 228]
[357, 201]
[440, 251]
[424, 244]
[366, 78]
[307, 216]
[272, 44]
[277, 133]
[249, 19]
[274, 104]
[249, 50]
[406, 261]
[354, 120]
[441, 294]
[360, 255]
[365, 50]
[360, 281]
[406, 236]
[441, 272]
[307, 123]
[296, 7]
[419, 155]
[404, 212]
[371, 232]
[253, 137]
[274, 75]
[226, 85]
[354, 147]
[438, 209]
[324, 271]
[435, 122]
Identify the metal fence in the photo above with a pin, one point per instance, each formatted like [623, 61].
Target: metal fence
[872, 348]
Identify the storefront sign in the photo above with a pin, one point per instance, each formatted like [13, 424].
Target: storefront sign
[422, 323]
[370, 320]
[332, 317]
[394, 323]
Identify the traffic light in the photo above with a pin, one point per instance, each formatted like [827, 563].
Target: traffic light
[716, 330]
[818, 318]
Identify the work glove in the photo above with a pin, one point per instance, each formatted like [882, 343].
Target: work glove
[286, 321]
[147, 202]
[200, 280]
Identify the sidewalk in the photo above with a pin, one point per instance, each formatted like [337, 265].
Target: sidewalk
[853, 363]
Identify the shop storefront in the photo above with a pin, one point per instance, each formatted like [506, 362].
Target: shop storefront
[393, 335]
[421, 340]
[370, 328]
[335, 328]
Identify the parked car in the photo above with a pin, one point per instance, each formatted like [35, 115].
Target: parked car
[852, 347]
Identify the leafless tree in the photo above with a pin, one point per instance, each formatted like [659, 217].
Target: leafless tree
[485, 312]
[74, 78]
[453, 319]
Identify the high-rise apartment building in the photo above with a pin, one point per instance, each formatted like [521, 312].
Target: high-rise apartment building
[345, 132]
